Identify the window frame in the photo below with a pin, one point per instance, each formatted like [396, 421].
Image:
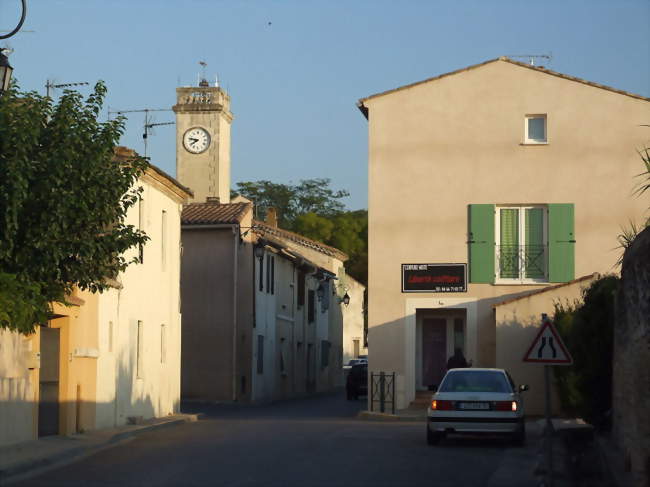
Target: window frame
[527, 139]
[522, 279]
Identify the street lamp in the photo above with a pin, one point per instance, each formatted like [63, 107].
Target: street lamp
[258, 250]
[5, 72]
[5, 67]
[345, 299]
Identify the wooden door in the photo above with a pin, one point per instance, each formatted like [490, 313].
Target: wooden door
[434, 350]
[48, 405]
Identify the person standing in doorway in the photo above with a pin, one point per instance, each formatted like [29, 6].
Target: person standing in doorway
[457, 360]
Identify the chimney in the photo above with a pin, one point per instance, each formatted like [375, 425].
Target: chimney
[271, 217]
[213, 200]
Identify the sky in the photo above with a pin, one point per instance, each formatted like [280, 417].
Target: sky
[296, 69]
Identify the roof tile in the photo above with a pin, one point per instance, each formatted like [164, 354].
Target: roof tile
[213, 213]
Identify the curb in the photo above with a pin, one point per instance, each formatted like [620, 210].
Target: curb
[375, 416]
[30, 468]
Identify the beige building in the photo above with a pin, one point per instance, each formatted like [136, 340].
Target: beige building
[262, 307]
[487, 184]
[108, 358]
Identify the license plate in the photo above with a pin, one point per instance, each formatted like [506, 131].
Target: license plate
[481, 406]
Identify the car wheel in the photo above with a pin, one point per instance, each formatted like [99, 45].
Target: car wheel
[433, 438]
[520, 436]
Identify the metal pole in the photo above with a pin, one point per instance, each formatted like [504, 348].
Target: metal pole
[393, 390]
[372, 393]
[548, 431]
[382, 391]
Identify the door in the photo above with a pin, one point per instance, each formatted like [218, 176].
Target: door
[434, 350]
[48, 404]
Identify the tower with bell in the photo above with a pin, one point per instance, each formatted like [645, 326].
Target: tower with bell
[203, 120]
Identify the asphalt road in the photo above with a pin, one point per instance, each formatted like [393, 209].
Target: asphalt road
[316, 441]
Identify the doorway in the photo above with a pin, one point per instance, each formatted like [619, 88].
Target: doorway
[434, 350]
[438, 333]
[48, 403]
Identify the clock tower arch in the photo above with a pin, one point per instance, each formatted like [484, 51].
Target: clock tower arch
[203, 120]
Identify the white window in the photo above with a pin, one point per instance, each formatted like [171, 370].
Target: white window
[139, 365]
[521, 236]
[535, 129]
[110, 337]
[163, 344]
[163, 239]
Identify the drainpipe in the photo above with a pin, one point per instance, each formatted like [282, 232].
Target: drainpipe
[235, 230]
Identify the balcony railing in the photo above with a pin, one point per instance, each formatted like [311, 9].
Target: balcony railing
[522, 261]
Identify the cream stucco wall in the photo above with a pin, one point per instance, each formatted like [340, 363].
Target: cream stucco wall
[517, 324]
[18, 396]
[436, 147]
[149, 294]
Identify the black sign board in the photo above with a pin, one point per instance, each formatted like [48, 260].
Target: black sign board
[434, 278]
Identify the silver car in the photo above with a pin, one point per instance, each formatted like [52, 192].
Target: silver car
[476, 401]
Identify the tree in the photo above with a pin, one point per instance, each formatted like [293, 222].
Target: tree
[587, 329]
[63, 202]
[290, 201]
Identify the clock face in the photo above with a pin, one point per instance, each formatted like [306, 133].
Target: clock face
[196, 140]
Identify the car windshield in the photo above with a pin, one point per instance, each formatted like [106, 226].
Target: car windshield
[475, 381]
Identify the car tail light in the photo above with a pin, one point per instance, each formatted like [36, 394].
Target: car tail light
[442, 405]
[506, 405]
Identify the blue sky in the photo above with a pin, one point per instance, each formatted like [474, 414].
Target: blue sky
[295, 83]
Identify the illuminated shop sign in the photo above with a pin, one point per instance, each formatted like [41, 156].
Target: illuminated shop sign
[434, 278]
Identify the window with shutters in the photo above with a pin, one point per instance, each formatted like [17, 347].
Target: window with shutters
[521, 251]
[521, 244]
[311, 306]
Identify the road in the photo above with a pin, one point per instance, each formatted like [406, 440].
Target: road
[316, 441]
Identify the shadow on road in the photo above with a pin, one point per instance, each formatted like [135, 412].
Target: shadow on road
[331, 405]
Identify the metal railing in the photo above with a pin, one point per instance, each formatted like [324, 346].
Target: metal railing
[522, 261]
[382, 391]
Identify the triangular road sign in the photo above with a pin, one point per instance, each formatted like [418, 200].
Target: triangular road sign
[548, 348]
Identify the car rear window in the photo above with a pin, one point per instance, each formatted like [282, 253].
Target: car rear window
[475, 381]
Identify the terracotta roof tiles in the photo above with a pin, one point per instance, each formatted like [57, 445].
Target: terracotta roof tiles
[214, 213]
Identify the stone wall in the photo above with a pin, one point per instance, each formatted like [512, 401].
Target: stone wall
[631, 381]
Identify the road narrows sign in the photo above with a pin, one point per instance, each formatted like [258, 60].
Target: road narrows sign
[548, 348]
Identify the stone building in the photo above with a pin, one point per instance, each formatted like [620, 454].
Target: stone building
[631, 375]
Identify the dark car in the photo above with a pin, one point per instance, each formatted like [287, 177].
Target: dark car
[357, 381]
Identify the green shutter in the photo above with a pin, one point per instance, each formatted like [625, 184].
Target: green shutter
[481, 243]
[561, 242]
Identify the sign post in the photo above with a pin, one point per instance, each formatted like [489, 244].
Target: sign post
[548, 349]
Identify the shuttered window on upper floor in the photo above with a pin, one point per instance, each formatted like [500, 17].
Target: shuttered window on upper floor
[521, 244]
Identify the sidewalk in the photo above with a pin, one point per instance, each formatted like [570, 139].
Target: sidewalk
[578, 457]
[23, 460]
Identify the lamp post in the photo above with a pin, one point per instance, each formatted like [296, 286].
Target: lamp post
[5, 72]
[5, 67]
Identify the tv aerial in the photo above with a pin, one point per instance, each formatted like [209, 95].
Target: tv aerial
[149, 123]
[49, 85]
[531, 58]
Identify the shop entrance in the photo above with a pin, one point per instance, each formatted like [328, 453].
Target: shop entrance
[439, 332]
[434, 350]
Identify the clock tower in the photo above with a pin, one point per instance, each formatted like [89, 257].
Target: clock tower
[203, 121]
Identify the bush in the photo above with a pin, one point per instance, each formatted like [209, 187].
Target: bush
[585, 389]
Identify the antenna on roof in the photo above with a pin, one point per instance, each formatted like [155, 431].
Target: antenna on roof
[532, 57]
[202, 79]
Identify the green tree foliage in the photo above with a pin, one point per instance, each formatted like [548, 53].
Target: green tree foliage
[347, 231]
[585, 388]
[290, 201]
[311, 208]
[63, 202]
